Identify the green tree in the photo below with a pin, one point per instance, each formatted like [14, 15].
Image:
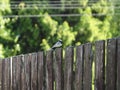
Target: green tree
[30, 34]
[7, 42]
[115, 23]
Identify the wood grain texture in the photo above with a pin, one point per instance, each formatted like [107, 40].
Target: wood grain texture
[14, 69]
[49, 70]
[34, 71]
[6, 74]
[27, 71]
[0, 73]
[87, 73]
[68, 69]
[58, 69]
[99, 65]
[17, 75]
[118, 64]
[34, 74]
[41, 77]
[79, 68]
[111, 65]
[23, 84]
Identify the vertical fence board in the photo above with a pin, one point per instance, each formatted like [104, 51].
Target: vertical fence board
[111, 65]
[23, 85]
[118, 64]
[27, 71]
[10, 69]
[34, 76]
[99, 65]
[68, 69]
[58, 68]
[18, 73]
[31, 72]
[6, 74]
[1, 73]
[3, 77]
[41, 71]
[16, 80]
[49, 70]
[14, 68]
[87, 73]
[9, 75]
[79, 68]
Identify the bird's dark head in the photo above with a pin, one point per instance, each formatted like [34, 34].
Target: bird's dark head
[60, 40]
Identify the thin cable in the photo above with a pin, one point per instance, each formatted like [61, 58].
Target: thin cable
[45, 5]
[47, 8]
[52, 5]
[63, 2]
[40, 4]
[55, 2]
[48, 4]
[55, 15]
[75, 4]
[44, 2]
[49, 1]
[60, 7]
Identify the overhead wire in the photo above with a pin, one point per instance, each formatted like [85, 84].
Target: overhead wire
[43, 5]
[55, 1]
[54, 5]
[65, 7]
[51, 5]
[56, 15]
[92, 1]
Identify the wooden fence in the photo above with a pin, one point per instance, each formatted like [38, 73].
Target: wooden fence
[85, 67]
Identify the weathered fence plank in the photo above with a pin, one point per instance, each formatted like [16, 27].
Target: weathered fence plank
[111, 65]
[17, 72]
[0, 74]
[53, 72]
[49, 70]
[34, 76]
[3, 77]
[87, 73]
[118, 64]
[6, 74]
[99, 65]
[14, 59]
[27, 71]
[41, 71]
[23, 84]
[58, 69]
[79, 68]
[68, 69]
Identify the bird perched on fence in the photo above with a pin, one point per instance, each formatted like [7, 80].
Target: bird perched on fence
[57, 44]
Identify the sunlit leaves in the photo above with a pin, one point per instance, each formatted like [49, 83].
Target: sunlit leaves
[45, 45]
[50, 25]
[66, 33]
[29, 34]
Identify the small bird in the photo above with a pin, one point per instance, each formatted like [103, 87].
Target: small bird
[57, 44]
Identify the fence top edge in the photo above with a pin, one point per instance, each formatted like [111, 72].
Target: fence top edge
[115, 38]
[50, 51]
[99, 41]
[79, 46]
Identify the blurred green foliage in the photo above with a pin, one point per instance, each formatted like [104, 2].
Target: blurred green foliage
[31, 34]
